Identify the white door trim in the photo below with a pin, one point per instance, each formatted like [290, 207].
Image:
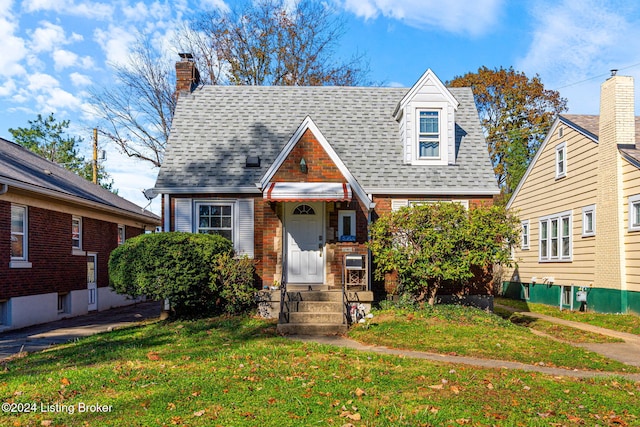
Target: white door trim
[92, 287]
[319, 208]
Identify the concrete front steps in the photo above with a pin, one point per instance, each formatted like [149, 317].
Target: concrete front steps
[313, 312]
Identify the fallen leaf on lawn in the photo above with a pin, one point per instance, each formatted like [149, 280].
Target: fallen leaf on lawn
[455, 389]
[171, 406]
[354, 417]
[195, 394]
[199, 413]
[347, 425]
[46, 423]
[490, 386]
[176, 420]
[544, 414]
[360, 392]
[617, 420]
[462, 421]
[271, 401]
[437, 386]
[65, 381]
[574, 419]
[153, 356]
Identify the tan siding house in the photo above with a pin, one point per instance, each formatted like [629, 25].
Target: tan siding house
[574, 202]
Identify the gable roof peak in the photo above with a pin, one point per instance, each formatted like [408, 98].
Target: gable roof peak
[429, 77]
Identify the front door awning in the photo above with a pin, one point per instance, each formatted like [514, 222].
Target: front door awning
[307, 191]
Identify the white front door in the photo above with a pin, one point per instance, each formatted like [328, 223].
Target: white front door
[92, 282]
[304, 224]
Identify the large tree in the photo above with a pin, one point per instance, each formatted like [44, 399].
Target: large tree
[516, 112]
[49, 138]
[265, 42]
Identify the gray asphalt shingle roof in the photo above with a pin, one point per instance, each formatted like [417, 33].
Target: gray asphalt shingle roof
[28, 170]
[216, 127]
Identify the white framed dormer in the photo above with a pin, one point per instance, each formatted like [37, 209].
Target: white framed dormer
[426, 117]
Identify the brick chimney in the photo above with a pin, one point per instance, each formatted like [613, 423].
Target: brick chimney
[187, 75]
[616, 130]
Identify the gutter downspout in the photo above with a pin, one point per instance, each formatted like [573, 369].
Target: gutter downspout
[4, 188]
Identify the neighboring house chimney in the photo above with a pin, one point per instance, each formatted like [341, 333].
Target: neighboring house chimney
[187, 75]
[617, 130]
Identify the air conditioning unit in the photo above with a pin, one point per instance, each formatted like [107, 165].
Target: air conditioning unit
[354, 262]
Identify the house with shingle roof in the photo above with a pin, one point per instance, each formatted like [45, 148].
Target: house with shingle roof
[294, 175]
[57, 232]
[579, 203]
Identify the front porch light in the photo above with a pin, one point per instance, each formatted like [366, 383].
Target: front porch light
[303, 166]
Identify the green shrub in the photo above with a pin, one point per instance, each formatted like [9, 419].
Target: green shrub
[232, 279]
[175, 266]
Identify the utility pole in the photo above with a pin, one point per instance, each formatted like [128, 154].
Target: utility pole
[95, 155]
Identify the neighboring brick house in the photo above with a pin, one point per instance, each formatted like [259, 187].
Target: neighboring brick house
[56, 233]
[579, 203]
[294, 175]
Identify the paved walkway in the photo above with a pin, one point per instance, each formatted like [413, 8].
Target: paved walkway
[41, 337]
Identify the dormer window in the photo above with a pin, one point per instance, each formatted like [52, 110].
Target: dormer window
[429, 134]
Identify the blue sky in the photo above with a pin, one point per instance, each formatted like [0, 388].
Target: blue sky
[53, 52]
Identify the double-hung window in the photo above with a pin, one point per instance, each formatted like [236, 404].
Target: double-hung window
[525, 234]
[561, 160]
[18, 233]
[215, 218]
[555, 237]
[76, 233]
[428, 134]
[121, 234]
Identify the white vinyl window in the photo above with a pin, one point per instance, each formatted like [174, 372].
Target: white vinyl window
[18, 233]
[347, 226]
[555, 237]
[525, 234]
[589, 221]
[76, 232]
[429, 134]
[121, 234]
[215, 218]
[634, 213]
[561, 160]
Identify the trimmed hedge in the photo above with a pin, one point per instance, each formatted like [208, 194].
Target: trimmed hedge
[180, 267]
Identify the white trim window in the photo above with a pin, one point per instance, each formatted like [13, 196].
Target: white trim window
[634, 213]
[19, 233]
[589, 221]
[121, 234]
[76, 233]
[215, 218]
[429, 135]
[555, 238]
[526, 233]
[347, 226]
[561, 160]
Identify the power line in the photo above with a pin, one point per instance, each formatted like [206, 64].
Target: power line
[599, 76]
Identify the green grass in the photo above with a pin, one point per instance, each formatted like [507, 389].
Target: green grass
[236, 372]
[618, 322]
[464, 331]
[559, 332]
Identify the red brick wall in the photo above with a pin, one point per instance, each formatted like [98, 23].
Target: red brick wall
[320, 166]
[54, 268]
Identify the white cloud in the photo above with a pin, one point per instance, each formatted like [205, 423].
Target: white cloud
[458, 17]
[41, 81]
[116, 43]
[214, 4]
[86, 9]
[7, 88]
[63, 59]
[80, 80]
[147, 12]
[13, 47]
[577, 42]
[47, 37]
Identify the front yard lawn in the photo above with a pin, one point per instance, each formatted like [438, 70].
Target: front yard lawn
[629, 323]
[236, 372]
[466, 331]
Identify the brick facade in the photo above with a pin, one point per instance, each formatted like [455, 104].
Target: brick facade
[54, 267]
